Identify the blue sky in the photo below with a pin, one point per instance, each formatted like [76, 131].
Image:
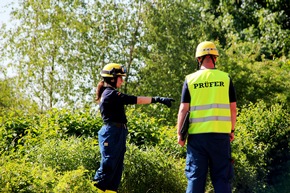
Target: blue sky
[5, 9]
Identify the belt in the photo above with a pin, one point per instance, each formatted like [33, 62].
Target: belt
[119, 125]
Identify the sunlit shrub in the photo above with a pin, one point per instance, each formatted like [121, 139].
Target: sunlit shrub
[66, 154]
[75, 181]
[152, 170]
[261, 147]
[23, 176]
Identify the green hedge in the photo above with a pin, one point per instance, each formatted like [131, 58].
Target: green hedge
[58, 151]
[68, 165]
[153, 171]
[261, 147]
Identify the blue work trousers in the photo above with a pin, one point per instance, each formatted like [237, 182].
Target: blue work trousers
[112, 142]
[208, 151]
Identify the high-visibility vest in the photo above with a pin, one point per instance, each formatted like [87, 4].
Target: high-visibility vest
[210, 105]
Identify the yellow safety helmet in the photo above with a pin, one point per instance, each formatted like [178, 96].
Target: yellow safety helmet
[113, 70]
[206, 48]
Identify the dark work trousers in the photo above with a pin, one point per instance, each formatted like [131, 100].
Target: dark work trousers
[112, 142]
[213, 151]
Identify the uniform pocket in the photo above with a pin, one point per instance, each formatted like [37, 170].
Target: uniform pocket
[109, 137]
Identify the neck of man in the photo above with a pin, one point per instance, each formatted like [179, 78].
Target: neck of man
[207, 62]
[208, 65]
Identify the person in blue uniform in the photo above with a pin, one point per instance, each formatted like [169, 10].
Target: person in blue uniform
[209, 95]
[112, 135]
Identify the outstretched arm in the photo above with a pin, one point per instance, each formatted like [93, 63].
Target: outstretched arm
[149, 100]
[144, 100]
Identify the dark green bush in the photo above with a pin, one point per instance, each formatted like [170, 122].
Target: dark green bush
[13, 127]
[18, 130]
[255, 80]
[143, 129]
[261, 147]
[281, 182]
[79, 123]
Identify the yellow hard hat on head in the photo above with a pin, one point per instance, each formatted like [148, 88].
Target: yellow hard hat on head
[113, 70]
[206, 48]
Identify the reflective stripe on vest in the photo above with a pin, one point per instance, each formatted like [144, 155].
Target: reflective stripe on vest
[209, 106]
[205, 107]
[212, 118]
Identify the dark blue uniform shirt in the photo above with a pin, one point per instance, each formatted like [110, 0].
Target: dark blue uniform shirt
[112, 105]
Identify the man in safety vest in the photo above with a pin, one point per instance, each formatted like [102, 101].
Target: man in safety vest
[209, 96]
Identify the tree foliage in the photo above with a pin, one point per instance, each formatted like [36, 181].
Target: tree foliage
[59, 47]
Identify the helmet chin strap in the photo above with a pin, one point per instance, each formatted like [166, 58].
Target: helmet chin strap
[212, 58]
[198, 66]
[200, 63]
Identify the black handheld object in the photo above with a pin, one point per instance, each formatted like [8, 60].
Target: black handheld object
[185, 126]
[163, 100]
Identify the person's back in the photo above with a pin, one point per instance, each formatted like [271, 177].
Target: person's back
[209, 96]
[210, 109]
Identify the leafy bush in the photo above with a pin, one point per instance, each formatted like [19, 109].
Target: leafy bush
[66, 154]
[261, 147]
[68, 158]
[143, 130]
[79, 123]
[42, 151]
[21, 176]
[147, 131]
[13, 127]
[254, 79]
[168, 142]
[152, 170]
[281, 183]
[74, 161]
[75, 181]
[18, 129]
